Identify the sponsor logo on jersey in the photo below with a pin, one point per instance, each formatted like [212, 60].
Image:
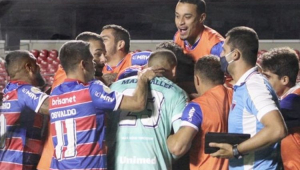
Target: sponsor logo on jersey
[191, 114]
[233, 105]
[104, 97]
[136, 160]
[30, 94]
[35, 90]
[141, 56]
[66, 100]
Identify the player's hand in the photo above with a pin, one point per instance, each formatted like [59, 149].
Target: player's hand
[225, 150]
[150, 72]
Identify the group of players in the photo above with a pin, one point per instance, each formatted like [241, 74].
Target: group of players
[110, 108]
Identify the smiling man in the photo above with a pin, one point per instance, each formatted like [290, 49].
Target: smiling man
[192, 35]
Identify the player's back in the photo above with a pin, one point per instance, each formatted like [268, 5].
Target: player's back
[20, 100]
[139, 139]
[77, 127]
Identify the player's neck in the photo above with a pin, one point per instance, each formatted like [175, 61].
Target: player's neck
[76, 76]
[284, 92]
[116, 59]
[192, 40]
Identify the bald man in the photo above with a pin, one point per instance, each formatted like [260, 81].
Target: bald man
[21, 100]
[138, 140]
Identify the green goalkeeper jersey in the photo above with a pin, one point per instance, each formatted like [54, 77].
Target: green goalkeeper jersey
[137, 141]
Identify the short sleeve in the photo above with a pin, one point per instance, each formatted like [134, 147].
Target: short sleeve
[104, 98]
[31, 97]
[178, 109]
[262, 98]
[192, 116]
[217, 49]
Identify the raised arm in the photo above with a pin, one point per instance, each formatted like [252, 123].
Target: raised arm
[138, 101]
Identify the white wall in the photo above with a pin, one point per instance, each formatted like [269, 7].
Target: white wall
[146, 44]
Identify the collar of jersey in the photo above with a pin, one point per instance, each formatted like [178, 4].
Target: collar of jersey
[245, 76]
[75, 80]
[109, 68]
[187, 45]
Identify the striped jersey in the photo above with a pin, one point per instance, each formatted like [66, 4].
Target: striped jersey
[77, 123]
[20, 103]
[139, 58]
[138, 140]
[253, 97]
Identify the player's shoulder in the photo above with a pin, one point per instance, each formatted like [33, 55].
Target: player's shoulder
[140, 58]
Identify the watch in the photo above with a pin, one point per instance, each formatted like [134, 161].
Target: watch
[236, 152]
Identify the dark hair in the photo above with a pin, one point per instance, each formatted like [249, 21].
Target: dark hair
[246, 40]
[120, 33]
[87, 36]
[282, 62]
[72, 52]
[185, 63]
[209, 69]
[201, 5]
[13, 59]
[162, 55]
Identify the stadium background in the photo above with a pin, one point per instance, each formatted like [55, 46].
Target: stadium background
[43, 26]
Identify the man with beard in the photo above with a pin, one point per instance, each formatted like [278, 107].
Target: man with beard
[117, 44]
[193, 36]
[21, 98]
[97, 49]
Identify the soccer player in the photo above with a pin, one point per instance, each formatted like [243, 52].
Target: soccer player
[280, 66]
[192, 35]
[21, 98]
[97, 49]
[207, 113]
[118, 57]
[77, 108]
[254, 107]
[138, 139]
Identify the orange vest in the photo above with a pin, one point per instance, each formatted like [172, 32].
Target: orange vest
[290, 147]
[126, 62]
[208, 39]
[215, 105]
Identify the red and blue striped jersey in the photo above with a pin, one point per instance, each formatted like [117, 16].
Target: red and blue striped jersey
[77, 113]
[20, 103]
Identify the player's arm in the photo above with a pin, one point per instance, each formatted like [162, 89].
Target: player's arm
[109, 78]
[138, 101]
[180, 142]
[44, 109]
[274, 130]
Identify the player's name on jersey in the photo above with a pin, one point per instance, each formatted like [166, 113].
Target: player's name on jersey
[5, 106]
[136, 160]
[154, 81]
[63, 113]
[66, 100]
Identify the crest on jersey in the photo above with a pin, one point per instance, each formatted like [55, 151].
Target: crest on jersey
[106, 89]
[35, 90]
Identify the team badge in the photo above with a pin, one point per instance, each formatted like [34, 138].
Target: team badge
[35, 90]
